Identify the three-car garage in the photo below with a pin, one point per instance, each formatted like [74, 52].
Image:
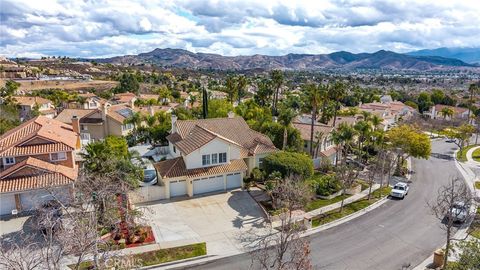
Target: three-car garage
[205, 184]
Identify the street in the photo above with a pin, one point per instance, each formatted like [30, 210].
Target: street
[400, 233]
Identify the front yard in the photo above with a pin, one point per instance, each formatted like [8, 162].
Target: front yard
[462, 155]
[350, 208]
[474, 229]
[476, 155]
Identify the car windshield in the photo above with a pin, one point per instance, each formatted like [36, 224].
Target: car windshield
[459, 206]
[149, 175]
[399, 188]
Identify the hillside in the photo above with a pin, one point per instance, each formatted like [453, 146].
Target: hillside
[468, 55]
[386, 60]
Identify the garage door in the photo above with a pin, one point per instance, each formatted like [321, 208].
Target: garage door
[234, 180]
[210, 184]
[7, 204]
[178, 188]
[33, 200]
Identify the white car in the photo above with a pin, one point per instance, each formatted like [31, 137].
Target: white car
[149, 173]
[459, 212]
[400, 190]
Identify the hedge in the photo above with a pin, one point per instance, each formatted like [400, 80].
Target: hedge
[288, 164]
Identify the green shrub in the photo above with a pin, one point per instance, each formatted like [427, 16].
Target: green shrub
[325, 185]
[288, 164]
[257, 175]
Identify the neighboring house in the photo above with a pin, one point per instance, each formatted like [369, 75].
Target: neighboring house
[390, 111]
[324, 148]
[459, 112]
[37, 161]
[28, 104]
[92, 101]
[124, 98]
[97, 124]
[211, 155]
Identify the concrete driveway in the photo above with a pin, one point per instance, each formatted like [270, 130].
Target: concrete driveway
[218, 219]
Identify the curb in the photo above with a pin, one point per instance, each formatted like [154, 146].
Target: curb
[461, 233]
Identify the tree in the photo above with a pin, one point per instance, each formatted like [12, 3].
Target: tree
[288, 164]
[408, 141]
[136, 120]
[437, 96]
[285, 117]
[219, 108]
[472, 90]
[468, 254]
[283, 248]
[312, 96]
[449, 196]
[264, 93]
[424, 102]
[204, 103]
[461, 134]
[336, 93]
[128, 83]
[343, 136]
[447, 112]
[347, 176]
[276, 78]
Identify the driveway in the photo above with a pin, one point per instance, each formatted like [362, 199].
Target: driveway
[218, 219]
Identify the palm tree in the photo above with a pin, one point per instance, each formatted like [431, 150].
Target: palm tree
[231, 88]
[312, 100]
[285, 118]
[363, 128]
[473, 90]
[319, 139]
[446, 112]
[276, 77]
[150, 120]
[135, 119]
[337, 93]
[375, 120]
[343, 136]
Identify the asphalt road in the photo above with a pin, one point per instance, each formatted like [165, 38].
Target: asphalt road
[398, 233]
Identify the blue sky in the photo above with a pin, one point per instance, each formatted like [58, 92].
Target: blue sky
[102, 28]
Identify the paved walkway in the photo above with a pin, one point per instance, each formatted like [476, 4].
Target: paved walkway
[469, 155]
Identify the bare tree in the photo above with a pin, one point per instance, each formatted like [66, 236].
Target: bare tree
[20, 253]
[451, 197]
[283, 247]
[346, 175]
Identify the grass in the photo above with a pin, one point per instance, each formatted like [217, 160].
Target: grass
[476, 155]
[474, 229]
[462, 155]
[318, 203]
[477, 185]
[159, 256]
[350, 208]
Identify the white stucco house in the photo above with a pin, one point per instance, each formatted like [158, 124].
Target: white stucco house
[210, 155]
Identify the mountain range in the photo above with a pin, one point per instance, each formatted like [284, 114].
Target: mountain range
[385, 60]
[468, 55]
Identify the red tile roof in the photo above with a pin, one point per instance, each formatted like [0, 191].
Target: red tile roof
[173, 168]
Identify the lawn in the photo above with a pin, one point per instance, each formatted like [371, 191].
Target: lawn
[462, 155]
[159, 256]
[318, 203]
[476, 155]
[474, 229]
[477, 185]
[350, 208]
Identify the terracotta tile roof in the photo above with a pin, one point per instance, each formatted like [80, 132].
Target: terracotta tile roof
[66, 115]
[124, 97]
[196, 139]
[149, 96]
[114, 112]
[34, 182]
[37, 149]
[330, 151]
[40, 126]
[42, 167]
[235, 130]
[30, 101]
[173, 168]
[305, 129]
[457, 110]
[174, 138]
[148, 110]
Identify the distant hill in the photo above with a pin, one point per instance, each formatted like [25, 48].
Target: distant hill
[468, 55]
[385, 60]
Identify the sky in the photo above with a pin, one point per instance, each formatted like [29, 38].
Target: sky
[105, 28]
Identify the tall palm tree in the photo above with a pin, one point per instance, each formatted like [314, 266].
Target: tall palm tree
[473, 90]
[285, 118]
[319, 139]
[276, 77]
[363, 129]
[336, 94]
[312, 95]
[135, 119]
[344, 136]
[375, 120]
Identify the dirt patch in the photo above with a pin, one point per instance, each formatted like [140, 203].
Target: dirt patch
[28, 86]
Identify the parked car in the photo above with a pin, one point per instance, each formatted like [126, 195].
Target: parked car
[459, 212]
[450, 140]
[149, 173]
[400, 190]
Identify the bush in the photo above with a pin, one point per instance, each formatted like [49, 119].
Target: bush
[325, 185]
[257, 175]
[288, 164]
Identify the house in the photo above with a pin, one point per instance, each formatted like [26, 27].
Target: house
[124, 98]
[458, 112]
[29, 104]
[37, 162]
[92, 101]
[390, 111]
[324, 147]
[211, 155]
[96, 124]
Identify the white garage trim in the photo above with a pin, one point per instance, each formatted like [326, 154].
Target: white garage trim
[208, 184]
[234, 180]
[178, 188]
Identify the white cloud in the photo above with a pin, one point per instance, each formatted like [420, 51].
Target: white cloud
[232, 27]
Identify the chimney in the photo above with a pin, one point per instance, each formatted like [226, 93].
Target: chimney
[76, 124]
[150, 110]
[104, 112]
[231, 114]
[132, 103]
[174, 121]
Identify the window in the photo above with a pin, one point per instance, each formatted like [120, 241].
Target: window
[127, 127]
[174, 149]
[8, 161]
[214, 158]
[93, 104]
[260, 161]
[83, 128]
[222, 157]
[58, 156]
[205, 160]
